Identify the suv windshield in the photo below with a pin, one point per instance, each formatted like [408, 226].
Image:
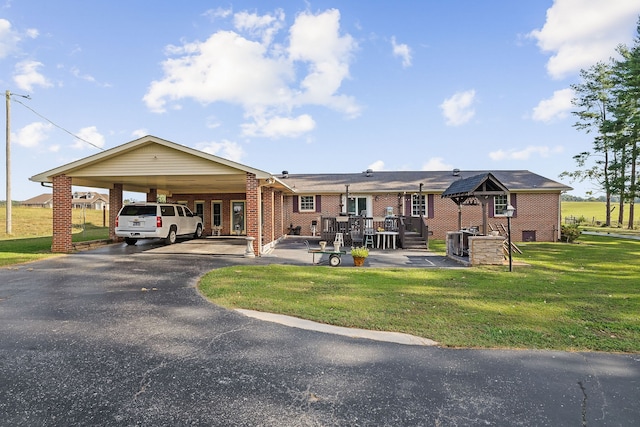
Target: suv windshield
[133, 210]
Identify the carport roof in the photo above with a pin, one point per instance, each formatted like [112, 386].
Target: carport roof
[154, 163]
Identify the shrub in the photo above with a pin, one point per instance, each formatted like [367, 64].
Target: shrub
[359, 252]
[569, 233]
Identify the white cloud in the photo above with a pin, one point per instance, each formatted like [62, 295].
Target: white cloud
[26, 75]
[316, 41]
[556, 107]
[32, 33]
[525, 154]
[259, 75]
[91, 135]
[403, 51]
[219, 12]
[378, 165]
[277, 127]
[263, 26]
[458, 109]
[9, 39]
[32, 135]
[580, 33]
[436, 164]
[226, 67]
[227, 149]
[139, 133]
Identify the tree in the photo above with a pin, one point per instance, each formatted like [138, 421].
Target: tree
[593, 97]
[608, 103]
[627, 92]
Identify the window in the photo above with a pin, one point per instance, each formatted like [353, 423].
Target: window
[216, 213]
[500, 204]
[418, 205]
[200, 210]
[167, 210]
[307, 203]
[355, 205]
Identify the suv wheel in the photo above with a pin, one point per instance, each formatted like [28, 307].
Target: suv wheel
[198, 233]
[171, 237]
[129, 241]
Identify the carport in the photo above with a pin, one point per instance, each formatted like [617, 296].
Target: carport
[232, 198]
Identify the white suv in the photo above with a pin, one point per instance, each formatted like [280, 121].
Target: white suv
[156, 220]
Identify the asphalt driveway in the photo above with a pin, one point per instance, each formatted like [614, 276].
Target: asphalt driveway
[118, 336]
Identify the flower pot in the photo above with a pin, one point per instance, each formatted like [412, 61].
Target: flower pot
[336, 247]
[323, 245]
[358, 261]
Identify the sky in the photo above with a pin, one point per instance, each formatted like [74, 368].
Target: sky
[306, 86]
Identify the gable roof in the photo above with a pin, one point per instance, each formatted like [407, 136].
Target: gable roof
[42, 199]
[479, 184]
[435, 182]
[151, 162]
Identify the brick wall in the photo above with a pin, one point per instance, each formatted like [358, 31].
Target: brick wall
[535, 212]
[62, 215]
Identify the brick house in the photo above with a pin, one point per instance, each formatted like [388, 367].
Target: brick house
[405, 193]
[238, 199]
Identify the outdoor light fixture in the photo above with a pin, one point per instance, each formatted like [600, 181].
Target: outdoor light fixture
[509, 213]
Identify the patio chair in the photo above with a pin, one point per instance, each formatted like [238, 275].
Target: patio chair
[356, 238]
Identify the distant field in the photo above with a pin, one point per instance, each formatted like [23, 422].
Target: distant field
[38, 222]
[596, 211]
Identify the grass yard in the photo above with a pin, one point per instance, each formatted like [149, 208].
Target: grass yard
[581, 296]
[32, 230]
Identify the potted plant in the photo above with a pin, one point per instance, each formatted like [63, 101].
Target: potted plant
[359, 254]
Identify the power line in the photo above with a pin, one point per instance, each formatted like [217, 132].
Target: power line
[58, 126]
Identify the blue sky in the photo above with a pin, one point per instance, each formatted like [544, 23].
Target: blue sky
[306, 86]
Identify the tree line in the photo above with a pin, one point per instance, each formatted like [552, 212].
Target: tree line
[607, 105]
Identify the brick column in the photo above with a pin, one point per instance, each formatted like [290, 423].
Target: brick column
[115, 203]
[152, 195]
[267, 215]
[278, 214]
[253, 211]
[62, 215]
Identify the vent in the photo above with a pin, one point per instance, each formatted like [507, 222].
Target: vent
[285, 174]
[456, 172]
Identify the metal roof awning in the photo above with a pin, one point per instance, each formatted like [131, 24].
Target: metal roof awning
[480, 187]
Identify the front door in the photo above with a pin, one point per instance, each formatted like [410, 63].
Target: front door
[238, 217]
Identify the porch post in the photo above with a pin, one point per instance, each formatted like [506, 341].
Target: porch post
[253, 211]
[152, 195]
[268, 215]
[278, 214]
[62, 215]
[115, 203]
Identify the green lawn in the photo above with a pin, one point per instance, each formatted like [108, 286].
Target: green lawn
[581, 296]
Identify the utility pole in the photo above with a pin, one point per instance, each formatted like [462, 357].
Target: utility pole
[9, 201]
[8, 95]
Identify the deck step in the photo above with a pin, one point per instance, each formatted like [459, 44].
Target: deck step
[413, 240]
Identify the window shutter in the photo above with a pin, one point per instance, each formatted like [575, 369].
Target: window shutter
[430, 207]
[318, 203]
[295, 204]
[514, 203]
[490, 207]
